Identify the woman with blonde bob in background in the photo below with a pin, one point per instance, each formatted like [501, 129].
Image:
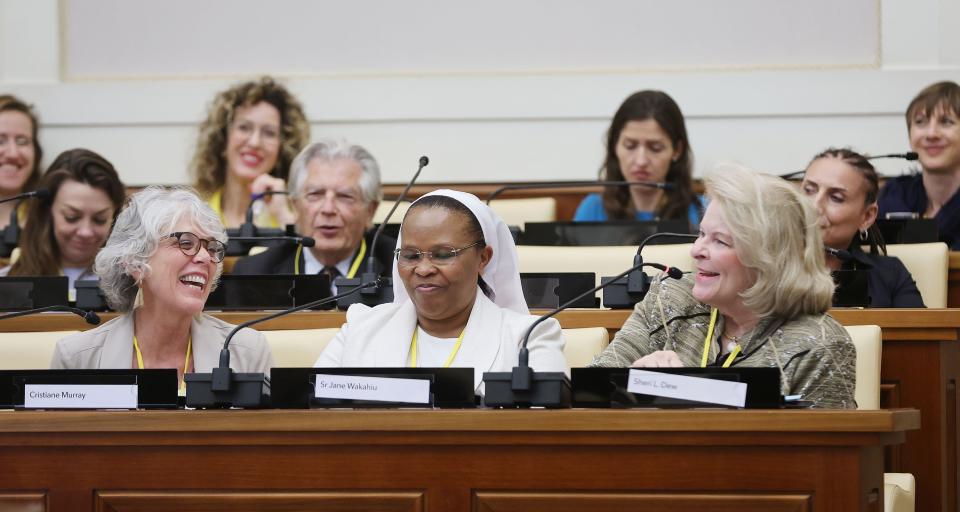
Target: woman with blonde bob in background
[758, 297]
[158, 267]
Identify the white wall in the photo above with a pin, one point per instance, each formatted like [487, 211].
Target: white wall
[505, 91]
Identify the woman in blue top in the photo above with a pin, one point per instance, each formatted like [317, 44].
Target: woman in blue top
[647, 141]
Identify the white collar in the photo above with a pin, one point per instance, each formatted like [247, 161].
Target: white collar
[311, 265]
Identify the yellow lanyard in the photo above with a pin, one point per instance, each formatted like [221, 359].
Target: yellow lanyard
[412, 361]
[186, 361]
[353, 267]
[706, 344]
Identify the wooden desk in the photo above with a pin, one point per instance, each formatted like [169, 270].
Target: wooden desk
[920, 369]
[482, 460]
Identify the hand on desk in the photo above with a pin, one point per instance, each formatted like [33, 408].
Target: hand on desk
[659, 359]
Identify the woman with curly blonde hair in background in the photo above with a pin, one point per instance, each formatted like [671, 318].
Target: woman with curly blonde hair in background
[252, 132]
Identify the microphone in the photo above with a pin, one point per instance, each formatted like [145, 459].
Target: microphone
[841, 254]
[575, 184]
[523, 387]
[11, 234]
[40, 193]
[909, 155]
[626, 293]
[305, 241]
[216, 389]
[376, 295]
[91, 317]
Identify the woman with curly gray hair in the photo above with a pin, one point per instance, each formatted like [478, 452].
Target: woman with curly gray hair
[252, 133]
[158, 267]
[758, 297]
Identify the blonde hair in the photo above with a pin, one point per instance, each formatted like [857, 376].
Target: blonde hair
[776, 235]
[209, 166]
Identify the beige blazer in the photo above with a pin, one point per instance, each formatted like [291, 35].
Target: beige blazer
[111, 346]
[380, 337]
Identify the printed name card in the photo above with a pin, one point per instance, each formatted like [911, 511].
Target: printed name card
[380, 389]
[80, 396]
[698, 389]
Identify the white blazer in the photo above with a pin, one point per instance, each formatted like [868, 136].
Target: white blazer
[380, 337]
[111, 346]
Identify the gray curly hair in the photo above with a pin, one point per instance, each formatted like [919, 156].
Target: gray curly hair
[149, 216]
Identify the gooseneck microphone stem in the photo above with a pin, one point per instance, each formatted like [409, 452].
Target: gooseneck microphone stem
[909, 155]
[308, 305]
[305, 241]
[91, 317]
[671, 272]
[522, 377]
[643, 243]
[576, 184]
[371, 258]
[841, 254]
[41, 193]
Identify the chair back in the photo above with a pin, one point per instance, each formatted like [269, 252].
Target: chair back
[868, 341]
[295, 348]
[583, 344]
[927, 264]
[29, 350]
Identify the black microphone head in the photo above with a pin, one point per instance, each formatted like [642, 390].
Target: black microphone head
[42, 193]
[91, 318]
[911, 155]
[307, 241]
[424, 161]
[674, 272]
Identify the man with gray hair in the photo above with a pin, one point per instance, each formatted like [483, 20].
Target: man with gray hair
[335, 189]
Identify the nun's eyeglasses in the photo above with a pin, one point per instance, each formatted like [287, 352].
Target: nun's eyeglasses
[190, 244]
[408, 257]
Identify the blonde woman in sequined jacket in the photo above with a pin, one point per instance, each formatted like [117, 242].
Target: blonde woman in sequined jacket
[758, 296]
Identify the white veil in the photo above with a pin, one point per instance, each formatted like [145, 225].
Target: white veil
[502, 274]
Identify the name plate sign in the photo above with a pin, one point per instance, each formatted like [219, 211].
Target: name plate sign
[80, 396]
[378, 389]
[697, 389]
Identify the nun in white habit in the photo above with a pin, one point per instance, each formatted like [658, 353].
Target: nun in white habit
[457, 298]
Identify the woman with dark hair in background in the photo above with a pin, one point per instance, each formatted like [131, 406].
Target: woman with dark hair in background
[68, 228]
[20, 152]
[647, 141]
[252, 133]
[843, 186]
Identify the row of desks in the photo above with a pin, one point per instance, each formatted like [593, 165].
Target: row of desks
[416, 460]
[920, 369]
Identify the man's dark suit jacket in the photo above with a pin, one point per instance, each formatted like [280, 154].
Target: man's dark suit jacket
[279, 260]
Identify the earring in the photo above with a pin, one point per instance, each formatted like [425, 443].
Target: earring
[863, 235]
[138, 300]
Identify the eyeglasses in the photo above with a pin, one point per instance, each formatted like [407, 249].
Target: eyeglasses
[408, 257]
[269, 134]
[190, 244]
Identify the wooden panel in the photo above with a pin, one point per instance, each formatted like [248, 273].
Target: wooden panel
[163, 501]
[485, 501]
[27, 501]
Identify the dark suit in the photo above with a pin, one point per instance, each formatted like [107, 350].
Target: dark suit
[890, 285]
[279, 260]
